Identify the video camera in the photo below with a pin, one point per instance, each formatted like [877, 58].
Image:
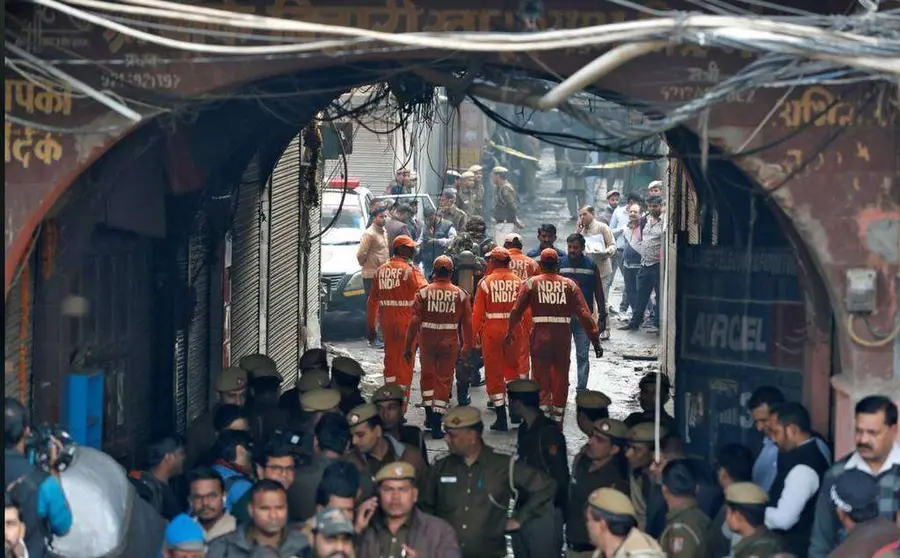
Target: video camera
[40, 445]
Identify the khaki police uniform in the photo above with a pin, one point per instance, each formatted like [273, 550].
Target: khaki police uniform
[201, 434]
[406, 433]
[588, 477]
[368, 464]
[475, 498]
[762, 543]
[685, 532]
[636, 544]
[347, 372]
[639, 481]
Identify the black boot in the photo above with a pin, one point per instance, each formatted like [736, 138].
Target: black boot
[500, 424]
[477, 380]
[462, 394]
[429, 417]
[437, 431]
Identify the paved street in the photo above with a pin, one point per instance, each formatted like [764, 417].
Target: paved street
[614, 374]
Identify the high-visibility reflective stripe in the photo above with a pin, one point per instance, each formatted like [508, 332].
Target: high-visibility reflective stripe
[396, 303]
[388, 380]
[428, 393]
[439, 406]
[579, 270]
[497, 315]
[498, 399]
[434, 325]
[550, 320]
[427, 403]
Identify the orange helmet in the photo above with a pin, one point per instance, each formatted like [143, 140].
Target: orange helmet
[403, 241]
[549, 256]
[443, 262]
[500, 254]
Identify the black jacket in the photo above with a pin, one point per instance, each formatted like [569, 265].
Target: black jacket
[22, 480]
[796, 539]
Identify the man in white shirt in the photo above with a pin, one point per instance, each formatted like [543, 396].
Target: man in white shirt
[877, 454]
[800, 469]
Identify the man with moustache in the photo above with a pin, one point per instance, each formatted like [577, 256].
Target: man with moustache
[398, 528]
[389, 400]
[207, 502]
[332, 535]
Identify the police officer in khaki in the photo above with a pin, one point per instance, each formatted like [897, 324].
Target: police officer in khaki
[686, 525]
[472, 488]
[590, 406]
[231, 386]
[389, 400]
[315, 378]
[612, 526]
[264, 414]
[639, 452]
[601, 464]
[346, 374]
[372, 450]
[745, 513]
[313, 359]
[314, 404]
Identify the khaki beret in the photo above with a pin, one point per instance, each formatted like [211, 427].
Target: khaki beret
[312, 379]
[462, 417]
[392, 392]
[232, 379]
[398, 470]
[746, 493]
[592, 400]
[523, 386]
[347, 366]
[475, 168]
[611, 501]
[320, 399]
[644, 432]
[467, 174]
[361, 413]
[500, 170]
[611, 428]
[258, 365]
[313, 357]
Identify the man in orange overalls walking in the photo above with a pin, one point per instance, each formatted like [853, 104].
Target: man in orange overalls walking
[554, 300]
[441, 311]
[524, 267]
[494, 300]
[394, 289]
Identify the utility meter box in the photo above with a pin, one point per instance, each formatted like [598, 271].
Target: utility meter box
[861, 291]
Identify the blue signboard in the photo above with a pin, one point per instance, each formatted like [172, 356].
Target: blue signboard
[741, 325]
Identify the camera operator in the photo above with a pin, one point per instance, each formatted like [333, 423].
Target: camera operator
[43, 505]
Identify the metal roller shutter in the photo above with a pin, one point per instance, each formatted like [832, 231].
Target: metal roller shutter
[245, 265]
[283, 341]
[374, 158]
[179, 361]
[19, 308]
[198, 333]
[313, 280]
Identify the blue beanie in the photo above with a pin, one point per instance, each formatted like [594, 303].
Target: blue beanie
[184, 533]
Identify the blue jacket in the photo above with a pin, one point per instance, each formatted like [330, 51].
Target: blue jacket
[236, 484]
[584, 272]
[536, 253]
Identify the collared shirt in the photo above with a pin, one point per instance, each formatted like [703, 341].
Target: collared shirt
[618, 222]
[653, 233]
[857, 462]
[390, 545]
[765, 468]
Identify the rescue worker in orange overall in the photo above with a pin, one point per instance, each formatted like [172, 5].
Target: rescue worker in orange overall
[494, 300]
[391, 299]
[554, 300]
[442, 311]
[524, 267]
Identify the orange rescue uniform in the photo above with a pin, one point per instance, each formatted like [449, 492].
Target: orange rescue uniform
[391, 299]
[442, 321]
[553, 300]
[494, 301]
[524, 267]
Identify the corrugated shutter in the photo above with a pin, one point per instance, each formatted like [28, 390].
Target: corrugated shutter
[18, 342]
[245, 265]
[373, 160]
[313, 278]
[198, 334]
[179, 360]
[283, 339]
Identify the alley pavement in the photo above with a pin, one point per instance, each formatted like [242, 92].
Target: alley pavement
[616, 373]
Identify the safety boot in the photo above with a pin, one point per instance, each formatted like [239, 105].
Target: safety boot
[500, 424]
[462, 394]
[437, 430]
[429, 416]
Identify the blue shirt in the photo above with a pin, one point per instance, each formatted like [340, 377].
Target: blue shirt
[53, 507]
[238, 487]
[536, 253]
[765, 468]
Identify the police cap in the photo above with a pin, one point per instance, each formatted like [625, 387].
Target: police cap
[500, 170]
[467, 174]
[319, 400]
[361, 413]
[462, 417]
[644, 432]
[259, 365]
[313, 358]
[391, 392]
[232, 378]
[347, 366]
[475, 168]
[398, 470]
[314, 378]
[592, 400]
[523, 386]
[611, 428]
[611, 501]
[746, 493]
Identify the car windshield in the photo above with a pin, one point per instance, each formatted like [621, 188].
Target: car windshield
[350, 224]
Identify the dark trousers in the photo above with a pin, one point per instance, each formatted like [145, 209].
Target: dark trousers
[647, 282]
[542, 537]
[629, 298]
